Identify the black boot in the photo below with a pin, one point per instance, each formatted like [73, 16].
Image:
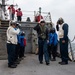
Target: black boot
[53, 59]
[47, 63]
[41, 62]
[63, 63]
[12, 66]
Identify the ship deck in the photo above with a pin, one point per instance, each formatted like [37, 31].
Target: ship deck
[30, 66]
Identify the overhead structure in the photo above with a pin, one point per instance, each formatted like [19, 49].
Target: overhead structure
[5, 0]
[3, 4]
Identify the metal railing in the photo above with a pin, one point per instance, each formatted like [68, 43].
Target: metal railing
[31, 15]
[71, 49]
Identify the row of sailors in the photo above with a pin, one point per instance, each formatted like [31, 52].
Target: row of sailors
[16, 43]
[47, 42]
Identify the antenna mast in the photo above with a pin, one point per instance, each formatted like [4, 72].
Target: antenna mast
[3, 5]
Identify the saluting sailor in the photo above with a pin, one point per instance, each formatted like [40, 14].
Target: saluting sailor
[62, 29]
[42, 32]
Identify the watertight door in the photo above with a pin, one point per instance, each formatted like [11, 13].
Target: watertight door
[28, 36]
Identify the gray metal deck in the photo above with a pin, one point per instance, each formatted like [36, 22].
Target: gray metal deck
[30, 66]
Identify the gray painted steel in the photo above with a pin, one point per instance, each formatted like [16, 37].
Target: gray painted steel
[27, 27]
[30, 35]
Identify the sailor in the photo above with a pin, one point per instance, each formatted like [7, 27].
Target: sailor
[19, 14]
[11, 44]
[22, 44]
[11, 11]
[18, 26]
[52, 44]
[38, 17]
[62, 29]
[42, 42]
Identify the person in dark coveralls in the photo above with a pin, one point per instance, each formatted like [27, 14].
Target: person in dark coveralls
[52, 44]
[42, 42]
[62, 29]
[17, 61]
[22, 45]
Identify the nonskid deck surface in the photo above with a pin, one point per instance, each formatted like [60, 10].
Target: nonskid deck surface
[30, 66]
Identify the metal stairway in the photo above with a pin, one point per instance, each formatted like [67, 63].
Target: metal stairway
[3, 27]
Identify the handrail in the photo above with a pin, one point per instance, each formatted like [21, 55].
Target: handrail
[32, 14]
[73, 39]
[71, 50]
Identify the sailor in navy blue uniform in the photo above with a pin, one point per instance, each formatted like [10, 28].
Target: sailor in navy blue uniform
[62, 29]
[42, 41]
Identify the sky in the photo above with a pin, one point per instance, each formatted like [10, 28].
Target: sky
[57, 8]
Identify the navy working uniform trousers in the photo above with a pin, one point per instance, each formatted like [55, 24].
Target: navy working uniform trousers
[43, 50]
[64, 50]
[11, 53]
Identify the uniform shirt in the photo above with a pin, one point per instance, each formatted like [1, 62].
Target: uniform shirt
[53, 39]
[39, 32]
[61, 31]
[12, 35]
[19, 13]
[21, 40]
[12, 10]
[38, 18]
